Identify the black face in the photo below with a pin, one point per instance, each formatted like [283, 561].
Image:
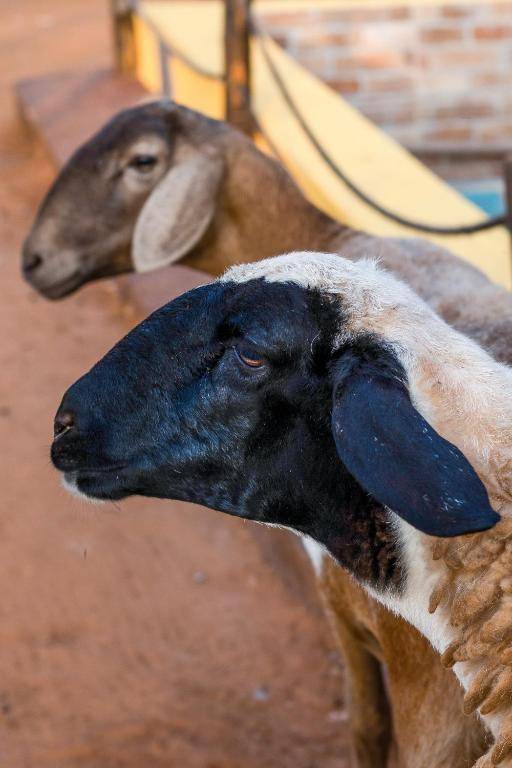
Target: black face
[228, 397]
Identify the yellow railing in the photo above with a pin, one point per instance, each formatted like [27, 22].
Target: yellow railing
[179, 45]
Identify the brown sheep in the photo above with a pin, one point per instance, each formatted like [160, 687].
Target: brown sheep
[161, 183]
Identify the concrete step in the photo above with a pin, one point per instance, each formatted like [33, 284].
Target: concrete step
[65, 108]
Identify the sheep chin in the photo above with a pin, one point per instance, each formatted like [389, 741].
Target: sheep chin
[69, 484]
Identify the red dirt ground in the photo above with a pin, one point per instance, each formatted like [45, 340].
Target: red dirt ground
[149, 634]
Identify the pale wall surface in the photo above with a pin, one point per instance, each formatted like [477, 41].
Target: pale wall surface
[430, 74]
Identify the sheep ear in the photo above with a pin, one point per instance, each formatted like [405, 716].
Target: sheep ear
[177, 213]
[396, 456]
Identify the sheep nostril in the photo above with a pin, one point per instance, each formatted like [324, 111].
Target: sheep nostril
[63, 423]
[32, 262]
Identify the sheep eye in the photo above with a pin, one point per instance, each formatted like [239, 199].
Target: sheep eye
[249, 358]
[143, 163]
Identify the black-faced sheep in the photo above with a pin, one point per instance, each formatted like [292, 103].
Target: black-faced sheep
[323, 395]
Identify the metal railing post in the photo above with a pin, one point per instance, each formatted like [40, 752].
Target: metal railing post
[123, 37]
[507, 175]
[237, 64]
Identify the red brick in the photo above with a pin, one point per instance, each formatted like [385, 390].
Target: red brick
[390, 84]
[456, 11]
[350, 85]
[396, 13]
[354, 14]
[370, 62]
[426, 12]
[496, 133]
[416, 58]
[400, 12]
[491, 78]
[383, 59]
[453, 57]
[325, 38]
[403, 136]
[465, 110]
[496, 32]
[461, 133]
[440, 34]
[342, 65]
[502, 9]
[313, 59]
[288, 18]
[388, 116]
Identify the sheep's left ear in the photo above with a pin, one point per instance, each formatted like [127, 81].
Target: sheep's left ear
[396, 456]
[178, 212]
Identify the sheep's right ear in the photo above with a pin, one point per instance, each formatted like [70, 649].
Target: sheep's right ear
[177, 213]
[398, 458]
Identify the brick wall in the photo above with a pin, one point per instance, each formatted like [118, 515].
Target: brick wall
[431, 76]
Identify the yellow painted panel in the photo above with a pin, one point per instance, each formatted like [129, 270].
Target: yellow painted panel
[262, 144]
[371, 158]
[147, 56]
[194, 27]
[197, 91]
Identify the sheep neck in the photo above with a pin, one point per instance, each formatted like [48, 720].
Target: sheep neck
[458, 592]
[470, 578]
[263, 218]
[475, 593]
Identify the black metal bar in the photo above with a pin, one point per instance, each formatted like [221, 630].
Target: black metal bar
[165, 78]
[507, 175]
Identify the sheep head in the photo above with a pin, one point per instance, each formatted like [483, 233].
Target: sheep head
[139, 194]
[272, 395]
